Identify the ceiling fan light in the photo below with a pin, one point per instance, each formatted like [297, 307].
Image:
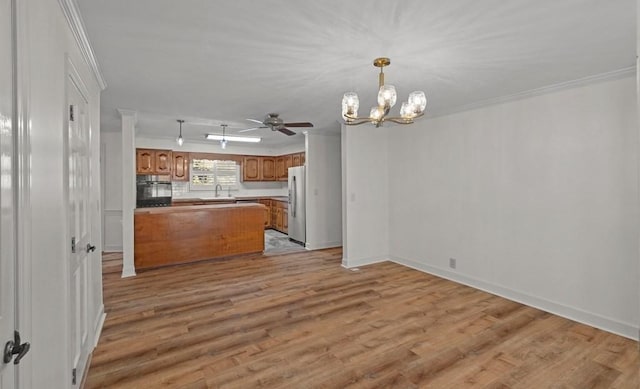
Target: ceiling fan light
[350, 105]
[418, 100]
[387, 96]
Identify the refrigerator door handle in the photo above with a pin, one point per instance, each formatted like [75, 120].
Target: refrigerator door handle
[295, 196]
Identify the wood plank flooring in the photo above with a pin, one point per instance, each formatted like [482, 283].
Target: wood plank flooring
[300, 320]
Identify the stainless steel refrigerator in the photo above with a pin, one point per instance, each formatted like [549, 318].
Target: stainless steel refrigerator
[297, 220]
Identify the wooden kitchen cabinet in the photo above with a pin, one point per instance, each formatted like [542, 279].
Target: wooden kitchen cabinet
[180, 166]
[268, 169]
[163, 161]
[283, 163]
[295, 160]
[279, 224]
[280, 173]
[303, 158]
[267, 212]
[153, 161]
[285, 220]
[251, 168]
[145, 161]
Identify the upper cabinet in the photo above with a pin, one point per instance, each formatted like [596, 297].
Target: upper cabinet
[180, 166]
[251, 166]
[295, 160]
[153, 161]
[284, 162]
[268, 169]
[254, 168]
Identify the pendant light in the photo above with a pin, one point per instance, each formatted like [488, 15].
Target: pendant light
[180, 140]
[223, 141]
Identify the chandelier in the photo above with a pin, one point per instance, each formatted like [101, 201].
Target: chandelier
[411, 109]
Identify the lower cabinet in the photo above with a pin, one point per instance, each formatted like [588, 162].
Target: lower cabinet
[279, 215]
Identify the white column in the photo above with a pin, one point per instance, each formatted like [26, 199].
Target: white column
[129, 119]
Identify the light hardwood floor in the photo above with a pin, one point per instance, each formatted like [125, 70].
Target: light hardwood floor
[302, 321]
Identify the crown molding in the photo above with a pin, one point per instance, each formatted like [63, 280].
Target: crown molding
[71, 13]
[609, 76]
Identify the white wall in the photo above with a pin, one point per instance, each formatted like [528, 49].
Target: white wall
[324, 191]
[537, 199]
[365, 161]
[45, 42]
[112, 189]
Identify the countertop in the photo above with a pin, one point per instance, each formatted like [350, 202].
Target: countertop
[155, 210]
[236, 198]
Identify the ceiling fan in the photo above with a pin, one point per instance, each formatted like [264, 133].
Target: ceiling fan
[275, 123]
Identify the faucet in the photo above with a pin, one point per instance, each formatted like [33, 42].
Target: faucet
[218, 186]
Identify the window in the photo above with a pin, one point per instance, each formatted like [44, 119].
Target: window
[206, 174]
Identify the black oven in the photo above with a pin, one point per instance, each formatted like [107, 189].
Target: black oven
[153, 191]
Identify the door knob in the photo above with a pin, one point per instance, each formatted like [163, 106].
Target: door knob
[14, 347]
[90, 248]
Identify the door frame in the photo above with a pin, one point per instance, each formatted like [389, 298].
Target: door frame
[21, 181]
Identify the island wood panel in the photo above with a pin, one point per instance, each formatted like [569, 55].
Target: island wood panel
[192, 233]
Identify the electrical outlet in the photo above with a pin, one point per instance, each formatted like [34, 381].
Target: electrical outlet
[452, 263]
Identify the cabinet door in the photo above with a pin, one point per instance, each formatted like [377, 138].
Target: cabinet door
[280, 168]
[288, 160]
[302, 158]
[268, 169]
[163, 162]
[267, 212]
[251, 169]
[278, 218]
[285, 220]
[295, 160]
[274, 215]
[145, 161]
[180, 168]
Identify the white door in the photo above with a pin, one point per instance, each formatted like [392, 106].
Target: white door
[79, 170]
[7, 208]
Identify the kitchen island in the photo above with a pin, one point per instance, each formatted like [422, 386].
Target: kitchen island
[173, 235]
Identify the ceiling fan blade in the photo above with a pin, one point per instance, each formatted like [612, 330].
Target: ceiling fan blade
[299, 124]
[286, 131]
[255, 121]
[251, 129]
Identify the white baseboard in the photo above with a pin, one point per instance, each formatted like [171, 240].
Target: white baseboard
[322, 245]
[99, 323]
[349, 262]
[610, 325]
[128, 272]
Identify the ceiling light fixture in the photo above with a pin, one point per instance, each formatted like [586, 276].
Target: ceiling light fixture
[179, 139]
[410, 110]
[233, 138]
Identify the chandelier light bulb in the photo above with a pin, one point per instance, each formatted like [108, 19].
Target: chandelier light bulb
[350, 105]
[418, 100]
[407, 110]
[387, 96]
[376, 114]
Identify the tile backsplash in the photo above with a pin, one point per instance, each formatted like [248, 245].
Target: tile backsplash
[180, 189]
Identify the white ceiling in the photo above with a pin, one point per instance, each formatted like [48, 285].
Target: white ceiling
[213, 62]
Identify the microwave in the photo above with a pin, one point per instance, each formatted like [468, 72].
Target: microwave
[153, 191]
